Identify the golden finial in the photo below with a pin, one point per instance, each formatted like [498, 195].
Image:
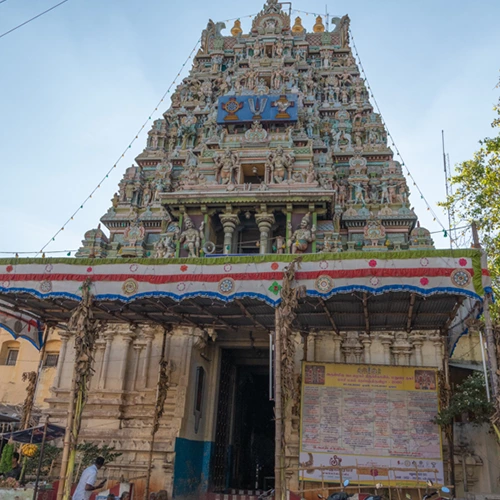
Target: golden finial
[319, 27]
[297, 27]
[236, 29]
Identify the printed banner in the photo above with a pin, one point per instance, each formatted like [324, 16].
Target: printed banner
[248, 108]
[376, 419]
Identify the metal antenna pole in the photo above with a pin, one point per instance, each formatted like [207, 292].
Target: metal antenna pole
[327, 17]
[447, 189]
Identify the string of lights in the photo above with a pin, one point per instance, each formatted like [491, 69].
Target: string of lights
[428, 205]
[129, 146]
[125, 151]
[80, 207]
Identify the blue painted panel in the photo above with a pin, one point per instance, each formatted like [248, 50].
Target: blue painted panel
[192, 466]
[247, 108]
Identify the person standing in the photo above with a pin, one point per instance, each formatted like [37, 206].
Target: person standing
[15, 472]
[86, 486]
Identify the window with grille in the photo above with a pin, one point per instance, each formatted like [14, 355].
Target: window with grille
[12, 357]
[51, 359]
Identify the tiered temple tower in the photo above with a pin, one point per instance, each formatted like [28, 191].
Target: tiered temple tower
[270, 145]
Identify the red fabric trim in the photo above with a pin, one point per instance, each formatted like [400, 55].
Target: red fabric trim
[212, 278]
[485, 272]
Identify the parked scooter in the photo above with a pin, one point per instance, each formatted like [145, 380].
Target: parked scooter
[433, 494]
[338, 495]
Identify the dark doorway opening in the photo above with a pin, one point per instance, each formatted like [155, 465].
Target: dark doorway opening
[245, 429]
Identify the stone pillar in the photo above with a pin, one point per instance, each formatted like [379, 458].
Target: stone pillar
[265, 222]
[138, 350]
[367, 343]
[311, 341]
[337, 348]
[352, 347]
[229, 222]
[149, 335]
[318, 348]
[417, 341]
[62, 357]
[105, 361]
[437, 340]
[386, 341]
[401, 349]
[128, 337]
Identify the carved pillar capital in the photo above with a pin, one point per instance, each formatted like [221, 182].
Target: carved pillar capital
[366, 341]
[229, 222]
[264, 221]
[417, 341]
[352, 347]
[386, 340]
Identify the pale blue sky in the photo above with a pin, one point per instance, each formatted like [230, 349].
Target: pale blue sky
[78, 83]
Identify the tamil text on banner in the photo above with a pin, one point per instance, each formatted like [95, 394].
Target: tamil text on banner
[375, 419]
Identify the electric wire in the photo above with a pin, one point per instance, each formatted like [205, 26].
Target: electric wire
[32, 19]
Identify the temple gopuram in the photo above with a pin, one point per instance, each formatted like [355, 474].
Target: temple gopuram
[261, 264]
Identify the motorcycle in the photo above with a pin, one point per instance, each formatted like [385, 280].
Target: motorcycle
[342, 495]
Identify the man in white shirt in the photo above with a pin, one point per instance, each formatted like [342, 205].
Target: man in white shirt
[86, 484]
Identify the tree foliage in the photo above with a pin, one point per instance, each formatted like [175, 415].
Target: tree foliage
[477, 196]
[468, 398]
[6, 460]
[88, 452]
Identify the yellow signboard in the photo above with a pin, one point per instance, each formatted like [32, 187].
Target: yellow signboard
[374, 420]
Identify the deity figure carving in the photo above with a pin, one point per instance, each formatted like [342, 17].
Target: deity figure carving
[164, 248]
[209, 33]
[115, 200]
[190, 238]
[302, 236]
[278, 48]
[385, 195]
[206, 90]
[280, 244]
[374, 194]
[403, 193]
[342, 140]
[129, 192]
[342, 194]
[297, 177]
[256, 48]
[227, 165]
[374, 231]
[134, 233]
[278, 165]
[192, 177]
[358, 192]
[311, 177]
[146, 194]
[217, 63]
[256, 133]
[187, 130]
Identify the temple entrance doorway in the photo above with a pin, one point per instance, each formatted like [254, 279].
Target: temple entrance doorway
[244, 444]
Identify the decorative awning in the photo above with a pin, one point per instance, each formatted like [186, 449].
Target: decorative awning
[412, 290]
[35, 434]
[21, 325]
